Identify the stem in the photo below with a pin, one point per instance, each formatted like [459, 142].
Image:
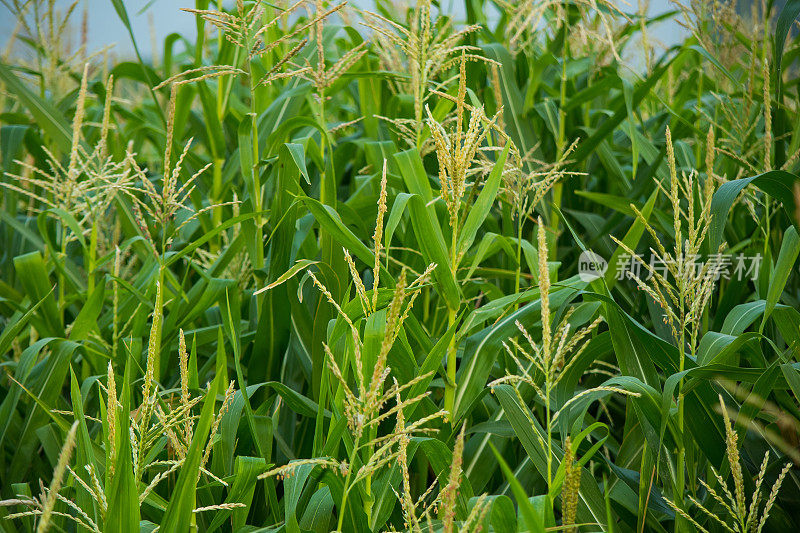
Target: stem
[344, 503]
[259, 239]
[368, 499]
[450, 383]
[216, 187]
[679, 486]
[346, 487]
[767, 229]
[518, 272]
[62, 281]
[257, 191]
[115, 307]
[426, 299]
[92, 258]
[418, 126]
[216, 193]
[549, 434]
[323, 120]
[560, 142]
[327, 190]
[699, 115]
[157, 351]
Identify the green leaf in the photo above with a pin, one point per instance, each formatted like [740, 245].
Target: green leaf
[398, 208]
[85, 451]
[123, 495]
[620, 113]
[591, 506]
[706, 54]
[502, 515]
[299, 157]
[414, 176]
[790, 248]
[293, 487]
[16, 324]
[45, 113]
[26, 362]
[776, 183]
[478, 212]
[786, 19]
[319, 511]
[33, 275]
[119, 7]
[534, 521]
[631, 240]
[482, 348]
[177, 516]
[301, 264]
[426, 225]
[520, 128]
[329, 219]
[86, 320]
[434, 250]
[246, 471]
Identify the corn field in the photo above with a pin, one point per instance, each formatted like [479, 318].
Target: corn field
[499, 266]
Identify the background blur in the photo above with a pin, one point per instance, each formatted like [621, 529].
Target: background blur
[155, 19]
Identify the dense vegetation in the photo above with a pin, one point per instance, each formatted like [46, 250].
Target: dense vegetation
[328, 269]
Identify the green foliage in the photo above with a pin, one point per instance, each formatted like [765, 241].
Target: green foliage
[319, 270]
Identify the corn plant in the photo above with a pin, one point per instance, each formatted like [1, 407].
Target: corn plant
[492, 265]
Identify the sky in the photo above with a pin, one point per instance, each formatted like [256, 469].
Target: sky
[105, 27]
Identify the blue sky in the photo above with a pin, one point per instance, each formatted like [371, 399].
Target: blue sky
[105, 27]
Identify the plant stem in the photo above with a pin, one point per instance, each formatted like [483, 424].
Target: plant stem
[561, 141]
[450, 383]
[368, 499]
[518, 272]
[92, 259]
[548, 390]
[346, 486]
[258, 261]
[216, 193]
[679, 484]
[327, 189]
[62, 281]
